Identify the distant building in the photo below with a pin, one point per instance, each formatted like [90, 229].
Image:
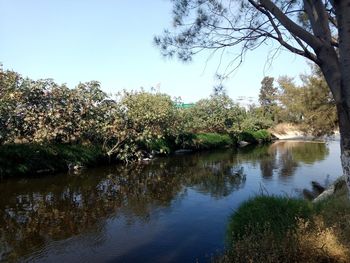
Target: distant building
[185, 105]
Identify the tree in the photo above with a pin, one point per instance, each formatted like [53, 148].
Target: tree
[310, 105]
[320, 114]
[217, 114]
[291, 99]
[267, 97]
[139, 118]
[318, 30]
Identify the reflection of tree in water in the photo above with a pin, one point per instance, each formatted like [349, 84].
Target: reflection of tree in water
[286, 163]
[262, 155]
[283, 156]
[219, 179]
[36, 211]
[293, 153]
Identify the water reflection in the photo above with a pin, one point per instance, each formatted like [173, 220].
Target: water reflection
[41, 210]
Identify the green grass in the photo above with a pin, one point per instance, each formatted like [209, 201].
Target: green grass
[280, 229]
[278, 214]
[31, 159]
[255, 136]
[206, 141]
[203, 141]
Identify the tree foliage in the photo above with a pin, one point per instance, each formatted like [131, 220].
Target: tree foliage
[316, 30]
[320, 108]
[216, 114]
[268, 97]
[302, 27]
[127, 126]
[139, 118]
[311, 104]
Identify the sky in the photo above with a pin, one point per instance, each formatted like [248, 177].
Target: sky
[111, 41]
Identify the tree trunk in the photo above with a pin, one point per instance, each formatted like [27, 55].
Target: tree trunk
[344, 129]
[342, 8]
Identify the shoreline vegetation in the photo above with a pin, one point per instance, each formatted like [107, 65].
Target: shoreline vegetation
[28, 159]
[282, 229]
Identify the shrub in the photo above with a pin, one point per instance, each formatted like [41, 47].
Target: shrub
[217, 114]
[161, 146]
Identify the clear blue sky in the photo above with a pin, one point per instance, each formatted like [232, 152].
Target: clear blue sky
[111, 41]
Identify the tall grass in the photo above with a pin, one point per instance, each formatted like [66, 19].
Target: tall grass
[279, 229]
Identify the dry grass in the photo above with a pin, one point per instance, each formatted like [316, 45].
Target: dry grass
[321, 243]
[314, 244]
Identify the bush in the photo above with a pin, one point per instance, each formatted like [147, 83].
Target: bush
[161, 146]
[217, 114]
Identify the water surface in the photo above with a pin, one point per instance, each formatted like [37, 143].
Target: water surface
[172, 209]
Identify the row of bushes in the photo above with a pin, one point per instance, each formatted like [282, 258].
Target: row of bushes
[124, 125]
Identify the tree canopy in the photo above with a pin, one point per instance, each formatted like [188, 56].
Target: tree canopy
[318, 30]
[307, 28]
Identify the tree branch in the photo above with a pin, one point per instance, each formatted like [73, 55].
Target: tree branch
[290, 25]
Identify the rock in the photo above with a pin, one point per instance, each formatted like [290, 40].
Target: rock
[181, 151]
[44, 171]
[243, 143]
[337, 185]
[75, 167]
[325, 194]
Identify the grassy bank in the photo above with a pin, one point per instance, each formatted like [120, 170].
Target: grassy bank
[254, 137]
[280, 229]
[33, 159]
[207, 141]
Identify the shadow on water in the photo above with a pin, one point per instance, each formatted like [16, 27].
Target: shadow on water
[38, 213]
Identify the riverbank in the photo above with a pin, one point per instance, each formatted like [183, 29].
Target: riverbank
[289, 131]
[276, 229]
[38, 159]
[30, 159]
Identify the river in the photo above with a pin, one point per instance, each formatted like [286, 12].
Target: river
[172, 209]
